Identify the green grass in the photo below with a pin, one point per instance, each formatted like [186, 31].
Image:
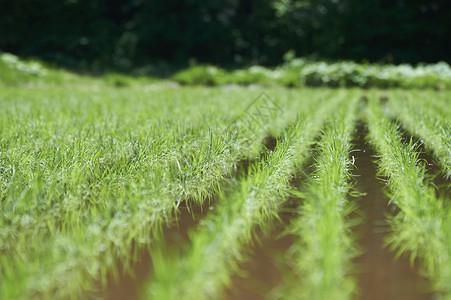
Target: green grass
[323, 244]
[92, 170]
[71, 182]
[87, 175]
[217, 245]
[422, 227]
[427, 121]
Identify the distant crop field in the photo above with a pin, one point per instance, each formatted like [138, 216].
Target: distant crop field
[92, 176]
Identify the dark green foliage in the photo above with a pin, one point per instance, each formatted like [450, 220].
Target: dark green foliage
[129, 34]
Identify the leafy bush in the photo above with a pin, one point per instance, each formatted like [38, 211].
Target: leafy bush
[205, 75]
[14, 70]
[301, 72]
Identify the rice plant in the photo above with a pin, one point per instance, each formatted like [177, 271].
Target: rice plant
[92, 169]
[427, 121]
[205, 269]
[422, 227]
[323, 243]
[71, 183]
[88, 176]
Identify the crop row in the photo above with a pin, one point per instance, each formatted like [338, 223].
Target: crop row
[323, 242]
[421, 228]
[89, 179]
[79, 190]
[428, 120]
[74, 198]
[205, 269]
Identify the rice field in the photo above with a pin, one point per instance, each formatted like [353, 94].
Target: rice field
[93, 176]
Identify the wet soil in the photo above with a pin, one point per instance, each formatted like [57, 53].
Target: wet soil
[380, 274]
[266, 267]
[129, 285]
[264, 270]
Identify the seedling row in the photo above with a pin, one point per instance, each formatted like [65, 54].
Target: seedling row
[89, 181]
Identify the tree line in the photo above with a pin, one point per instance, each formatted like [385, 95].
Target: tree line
[124, 34]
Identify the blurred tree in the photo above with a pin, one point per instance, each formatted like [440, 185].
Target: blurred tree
[130, 33]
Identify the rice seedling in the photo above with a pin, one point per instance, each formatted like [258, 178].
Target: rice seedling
[117, 171]
[206, 267]
[428, 122]
[323, 245]
[422, 227]
[84, 179]
[91, 170]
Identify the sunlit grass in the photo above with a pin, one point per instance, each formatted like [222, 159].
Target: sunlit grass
[78, 190]
[87, 174]
[217, 245]
[422, 227]
[427, 117]
[323, 243]
[92, 169]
